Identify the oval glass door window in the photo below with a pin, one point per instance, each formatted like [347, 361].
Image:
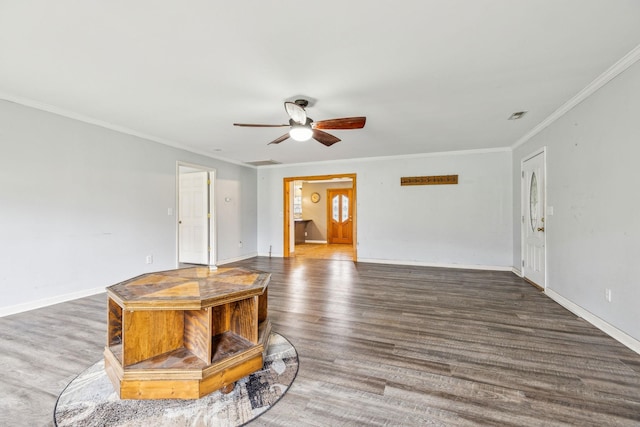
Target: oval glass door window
[533, 201]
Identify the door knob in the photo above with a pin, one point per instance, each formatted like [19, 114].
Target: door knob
[540, 228]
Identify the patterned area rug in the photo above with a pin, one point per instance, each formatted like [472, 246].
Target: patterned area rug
[89, 400]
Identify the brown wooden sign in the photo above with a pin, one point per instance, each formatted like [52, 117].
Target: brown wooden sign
[429, 180]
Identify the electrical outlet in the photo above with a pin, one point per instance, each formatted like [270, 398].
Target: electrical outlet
[240, 244]
[149, 259]
[607, 294]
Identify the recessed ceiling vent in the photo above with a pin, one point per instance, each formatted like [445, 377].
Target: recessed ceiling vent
[263, 163]
[517, 115]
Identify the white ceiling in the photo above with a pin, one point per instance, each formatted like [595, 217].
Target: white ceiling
[430, 76]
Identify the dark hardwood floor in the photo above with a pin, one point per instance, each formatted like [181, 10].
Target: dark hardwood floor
[378, 345]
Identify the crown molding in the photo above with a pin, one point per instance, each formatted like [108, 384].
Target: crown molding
[396, 157]
[111, 126]
[627, 61]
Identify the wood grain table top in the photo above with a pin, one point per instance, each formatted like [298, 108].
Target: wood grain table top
[192, 288]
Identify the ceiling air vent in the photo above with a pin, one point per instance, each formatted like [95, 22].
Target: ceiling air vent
[517, 115]
[263, 163]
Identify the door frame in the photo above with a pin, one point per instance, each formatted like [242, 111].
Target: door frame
[523, 205]
[287, 199]
[212, 223]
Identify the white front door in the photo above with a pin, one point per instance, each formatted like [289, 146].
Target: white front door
[533, 219]
[193, 221]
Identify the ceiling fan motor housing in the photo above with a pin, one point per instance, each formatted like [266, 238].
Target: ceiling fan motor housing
[307, 123]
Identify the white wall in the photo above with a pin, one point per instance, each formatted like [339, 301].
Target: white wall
[469, 224]
[82, 206]
[593, 237]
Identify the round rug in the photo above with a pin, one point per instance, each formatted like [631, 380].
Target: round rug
[90, 400]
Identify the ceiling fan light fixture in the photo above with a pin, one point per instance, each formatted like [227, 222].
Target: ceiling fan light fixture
[303, 128]
[300, 132]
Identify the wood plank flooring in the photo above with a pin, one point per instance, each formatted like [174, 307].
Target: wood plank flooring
[378, 345]
[324, 251]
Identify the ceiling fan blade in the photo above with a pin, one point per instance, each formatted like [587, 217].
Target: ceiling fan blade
[280, 139]
[324, 138]
[253, 125]
[344, 123]
[296, 112]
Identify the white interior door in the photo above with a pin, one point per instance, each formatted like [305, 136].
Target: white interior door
[193, 220]
[533, 225]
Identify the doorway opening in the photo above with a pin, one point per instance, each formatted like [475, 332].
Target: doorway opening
[316, 210]
[196, 231]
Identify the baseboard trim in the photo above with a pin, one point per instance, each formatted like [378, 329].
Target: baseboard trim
[32, 305]
[605, 327]
[322, 242]
[420, 264]
[236, 259]
[440, 265]
[516, 271]
[272, 255]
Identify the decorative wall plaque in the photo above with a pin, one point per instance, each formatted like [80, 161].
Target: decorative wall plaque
[429, 180]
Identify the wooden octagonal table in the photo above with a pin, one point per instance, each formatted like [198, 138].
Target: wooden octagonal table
[182, 334]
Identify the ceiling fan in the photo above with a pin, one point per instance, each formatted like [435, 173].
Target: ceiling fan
[303, 127]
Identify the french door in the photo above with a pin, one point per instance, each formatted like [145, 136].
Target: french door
[340, 216]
